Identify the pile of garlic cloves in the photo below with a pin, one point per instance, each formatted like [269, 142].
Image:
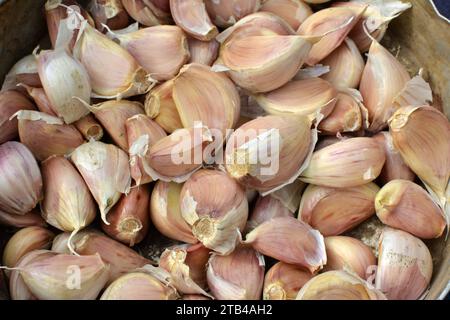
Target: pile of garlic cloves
[149, 116]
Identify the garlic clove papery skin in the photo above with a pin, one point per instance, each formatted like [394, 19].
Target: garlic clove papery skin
[62, 181]
[160, 106]
[66, 83]
[348, 163]
[187, 267]
[167, 54]
[41, 99]
[216, 218]
[303, 97]
[203, 95]
[225, 13]
[283, 281]
[113, 72]
[291, 241]
[46, 135]
[293, 12]
[148, 13]
[110, 13]
[24, 241]
[421, 135]
[404, 205]
[290, 195]
[20, 179]
[333, 211]
[48, 278]
[346, 65]
[346, 253]
[263, 63]
[142, 133]
[129, 219]
[10, 103]
[113, 115]
[23, 71]
[192, 17]
[106, 171]
[394, 167]
[138, 286]
[382, 80]
[338, 285]
[237, 276]
[203, 52]
[165, 212]
[269, 152]
[334, 24]
[404, 265]
[89, 128]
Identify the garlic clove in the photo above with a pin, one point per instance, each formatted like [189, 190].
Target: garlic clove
[293, 12]
[167, 54]
[269, 152]
[89, 128]
[142, 132]
[346, 65]
[118, 75]
[404, 265]
[283, 281]
[335, 24]
[46, 135]
[256, 24]
[23, 71]
[421, 136]
[129, 220]
[291, 241]
[303, 97]
[20, 179]
[17, 288]
[113, 115]
[345, 117]
[346, 253]
[333, 211]
[338, 285]
[106, 171]
[62, 181]
[30, 219]
[237, 276]
[118, 256]
[382, 80]
[147, 13]
[394, 167]
[203, 95]
[56, 277]
[406, 206]
[177, 156]
[110, 13]
[348, 163]
[40, 98]
[216, 218]
[263, 63]
[138, 286]
[265, 209]
[66, 83]
[191, 16]
[375, 19]
[187, 267]
[159, 106]
[225, 13]
[165, 212]
[203, 52]
[10, 103]
[25, 241]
